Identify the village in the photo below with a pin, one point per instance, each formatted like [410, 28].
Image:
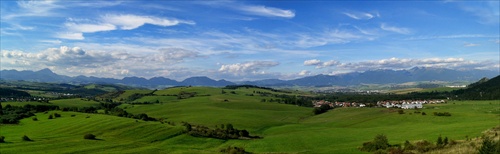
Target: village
[403, 104]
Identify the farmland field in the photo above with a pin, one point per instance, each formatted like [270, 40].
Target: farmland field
[284, 128]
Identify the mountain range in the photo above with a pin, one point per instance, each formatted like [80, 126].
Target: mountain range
[381, 76]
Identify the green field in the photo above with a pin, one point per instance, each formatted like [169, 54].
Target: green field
[284, 128]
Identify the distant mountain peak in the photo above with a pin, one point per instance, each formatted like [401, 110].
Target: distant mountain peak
[45, 70]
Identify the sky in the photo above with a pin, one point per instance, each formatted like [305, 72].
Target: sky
[246, 40]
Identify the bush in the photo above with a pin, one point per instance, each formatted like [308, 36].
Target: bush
[89, 136]
[2, 139]
[423, 113]
[401, 112]
[50, 117]
[26, 138]
[34, 119]
[57, 115]
[489, 146]
[234, 150]
[380, 142]
[424, 146]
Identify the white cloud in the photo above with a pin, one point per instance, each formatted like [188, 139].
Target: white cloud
[304, 73]
[113, 22]
[129, 21]
[470, 45]
[313, 62]
[89, 28]
[253, 67]
[110, 63]
[174, 54]
[267, 11]
[360, 15]
[70, 36]
[397, 63]
[319, 64]
[51, 41]
[399, 30]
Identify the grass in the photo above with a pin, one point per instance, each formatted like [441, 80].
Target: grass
[74, 102]
[284, 128]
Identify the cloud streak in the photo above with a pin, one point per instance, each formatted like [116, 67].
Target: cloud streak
[360, 15]
[399, 30]
[266, 11]
[111, 22]
[397, 63]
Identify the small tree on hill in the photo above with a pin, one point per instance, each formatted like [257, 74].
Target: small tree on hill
[439, 141]
[89, 136]
[26, 138]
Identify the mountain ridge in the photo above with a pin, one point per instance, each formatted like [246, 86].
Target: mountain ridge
[379, 76]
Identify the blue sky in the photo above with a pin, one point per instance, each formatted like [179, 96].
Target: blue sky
[246, 40]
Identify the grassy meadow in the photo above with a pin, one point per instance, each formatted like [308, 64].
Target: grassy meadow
[284, 128]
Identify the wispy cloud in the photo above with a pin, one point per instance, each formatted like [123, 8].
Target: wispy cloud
[399, 30]
[266, 11]
[34, 8]
[470, 45]
[113, 22]
[129, 21]
[360, 15]
[488, 12]
[458, 36]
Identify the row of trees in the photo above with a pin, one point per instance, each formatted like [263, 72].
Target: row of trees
[223, 132]
[380, 144]
[12, 114]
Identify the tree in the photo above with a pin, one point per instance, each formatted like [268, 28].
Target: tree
[26, 138]
[188, 127]
[381, 142]
[1, 112]
[2, 139]
[489, 147]
[439, 141]
[50, 116]
[229, 127]
[445, 141]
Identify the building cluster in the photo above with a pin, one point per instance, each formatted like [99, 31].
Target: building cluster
[27, 99]
[407, 104]
[404, 104]
[337, 104]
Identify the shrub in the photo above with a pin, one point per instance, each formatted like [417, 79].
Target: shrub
[51, 117]
[34, 119]
[2, 139]
[423, 113]
[380, 142]
[401, 112]
[489, 146]
[89, 136]
[409, 146]
[424, 146]
[26, 138]
[234, 150]
[57, 115]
